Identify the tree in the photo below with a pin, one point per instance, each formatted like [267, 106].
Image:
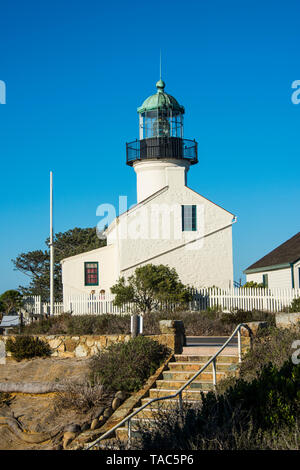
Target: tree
[252, 284]
[36, 264]
[149, 287]
[11, 301]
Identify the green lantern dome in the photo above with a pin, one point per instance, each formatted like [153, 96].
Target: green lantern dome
[161, 100]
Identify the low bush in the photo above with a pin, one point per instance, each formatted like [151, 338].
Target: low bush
[27, 347]
[295, 305]
[243, 316]
[271, 345]
[126, 366]
[82, 396]
[203, 323]
[66, 324]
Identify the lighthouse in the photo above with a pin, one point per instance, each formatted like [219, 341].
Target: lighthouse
[161, 145]
[171, 224]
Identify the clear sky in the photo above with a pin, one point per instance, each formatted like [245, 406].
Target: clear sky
[75, 73]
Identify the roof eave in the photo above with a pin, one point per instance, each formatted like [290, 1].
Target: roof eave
[273, 267]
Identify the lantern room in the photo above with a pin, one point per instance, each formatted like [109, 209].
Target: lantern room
[161, 130]
[160, 115]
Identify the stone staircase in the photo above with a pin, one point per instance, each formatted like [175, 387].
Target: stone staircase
[180, 369]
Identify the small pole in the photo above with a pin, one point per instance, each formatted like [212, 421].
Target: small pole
[51, 248]
[180, 401]
[214, 372]
[129, 432]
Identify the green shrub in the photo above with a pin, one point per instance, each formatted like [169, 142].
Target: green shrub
[66, 324]
[126, 366]
[243, 316]
[295, 305]
[26, 347]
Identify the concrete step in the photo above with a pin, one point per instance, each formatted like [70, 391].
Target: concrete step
[189, 394]
[194, 367]
[122, 433]
[149, 413]
[203, 358]
[169, 404]
[176, 384]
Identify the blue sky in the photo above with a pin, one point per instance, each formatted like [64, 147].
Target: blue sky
[76, 71]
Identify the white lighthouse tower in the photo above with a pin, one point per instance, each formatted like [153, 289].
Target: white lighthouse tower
[161, 146]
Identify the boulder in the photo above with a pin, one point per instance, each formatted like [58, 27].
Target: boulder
[68, 437]
[95, 424]
[116, 403]
[122, 395]
[108, 412]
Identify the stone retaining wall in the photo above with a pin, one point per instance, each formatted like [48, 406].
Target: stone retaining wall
[89, 345]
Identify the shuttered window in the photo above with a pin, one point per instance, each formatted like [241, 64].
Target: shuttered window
[189, 218]
[91, 274]
[265, 280]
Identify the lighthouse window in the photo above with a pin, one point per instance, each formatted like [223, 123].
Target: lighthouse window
[189, 218]
[91, 277]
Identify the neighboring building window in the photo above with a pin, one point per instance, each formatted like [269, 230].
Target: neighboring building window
[265, 280]
[91, 276]
[189, 218]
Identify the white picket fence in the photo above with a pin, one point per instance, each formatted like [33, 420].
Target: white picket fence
[271, 300]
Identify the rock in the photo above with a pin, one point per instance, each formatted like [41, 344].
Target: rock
[90, 342]
[55, 343]
[253, 328]
[116, 403]
[74, 428]
[101, 420]
[98, 412]
[81, 351]
[68, 437]
[95, 424]
[85, 427]
[70, 345]
[107, 412]
[122, 395]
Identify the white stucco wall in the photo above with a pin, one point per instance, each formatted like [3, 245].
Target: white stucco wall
[279, 278]
[73, 271]
[152, 233]
[152, 176]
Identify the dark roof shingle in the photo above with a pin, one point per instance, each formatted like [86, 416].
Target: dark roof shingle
[288, 252]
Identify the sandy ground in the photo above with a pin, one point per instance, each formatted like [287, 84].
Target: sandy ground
[36, 412]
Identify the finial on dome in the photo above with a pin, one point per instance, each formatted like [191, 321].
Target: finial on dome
[160, 85]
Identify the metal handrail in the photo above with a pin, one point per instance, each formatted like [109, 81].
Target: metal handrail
[179, 391]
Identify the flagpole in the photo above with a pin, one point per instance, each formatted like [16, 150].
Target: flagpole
[51, 248]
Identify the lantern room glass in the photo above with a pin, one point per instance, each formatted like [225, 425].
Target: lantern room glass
[161, 123]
